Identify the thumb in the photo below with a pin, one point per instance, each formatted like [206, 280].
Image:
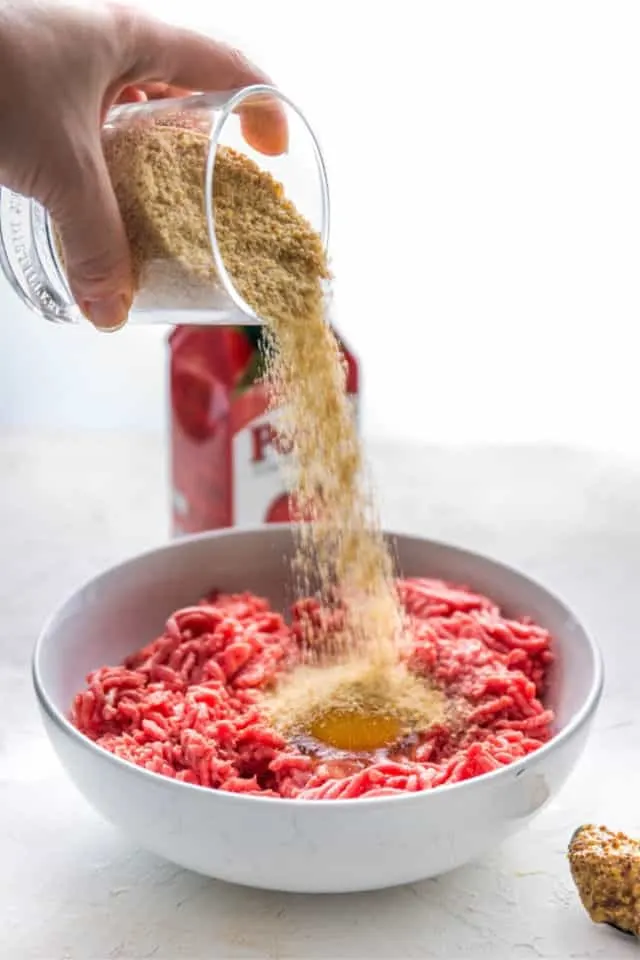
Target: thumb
[89, 226]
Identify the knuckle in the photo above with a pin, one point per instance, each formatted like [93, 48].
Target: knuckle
[96, 271]
[126, 29]
[239, 62]
[93, 266]
[70, 175]
[125, 19]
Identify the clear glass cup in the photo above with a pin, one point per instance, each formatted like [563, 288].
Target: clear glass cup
[29, 254]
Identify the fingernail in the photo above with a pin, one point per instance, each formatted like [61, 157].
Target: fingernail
[109, 314]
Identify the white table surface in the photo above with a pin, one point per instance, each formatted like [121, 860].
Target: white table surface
[72, 888]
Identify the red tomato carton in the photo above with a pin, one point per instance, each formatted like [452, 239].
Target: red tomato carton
[225, 454]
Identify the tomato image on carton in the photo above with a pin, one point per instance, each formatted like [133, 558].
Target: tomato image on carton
[226, 455]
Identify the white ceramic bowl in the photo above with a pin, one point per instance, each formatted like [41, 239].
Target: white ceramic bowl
[299, 845]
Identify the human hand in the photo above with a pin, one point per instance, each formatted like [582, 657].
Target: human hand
[62, 66]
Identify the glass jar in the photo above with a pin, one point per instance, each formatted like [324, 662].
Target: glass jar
[167, 290]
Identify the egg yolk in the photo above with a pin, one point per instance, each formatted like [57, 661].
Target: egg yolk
[355, 732]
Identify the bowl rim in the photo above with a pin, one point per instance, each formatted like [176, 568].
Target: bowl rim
[581, 716]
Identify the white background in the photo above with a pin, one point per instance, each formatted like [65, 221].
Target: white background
[484, 162]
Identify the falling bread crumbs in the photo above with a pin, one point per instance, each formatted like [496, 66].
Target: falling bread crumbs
[278, 264]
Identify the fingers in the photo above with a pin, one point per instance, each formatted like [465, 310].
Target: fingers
[129, 95]
[259, 116]
[192, 61]
[163, 91]
[264, 126]
[189, 61]
[95, 248]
